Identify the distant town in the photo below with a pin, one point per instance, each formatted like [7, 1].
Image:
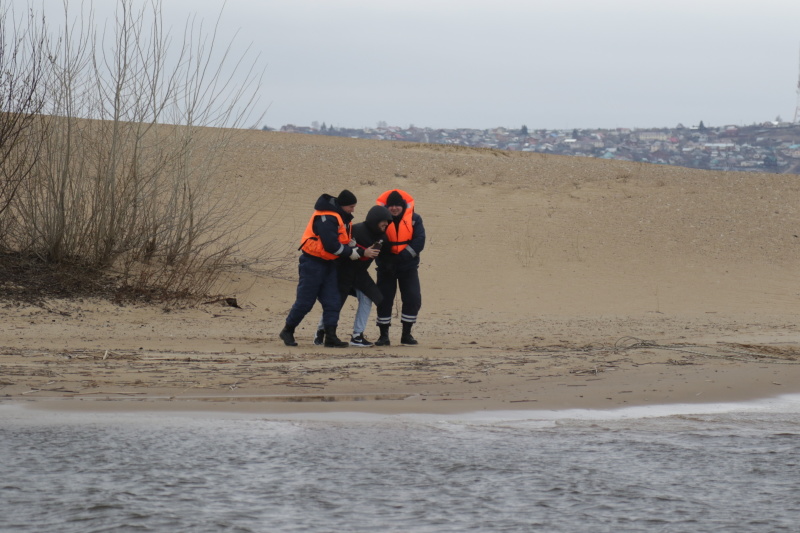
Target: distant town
[767, 147]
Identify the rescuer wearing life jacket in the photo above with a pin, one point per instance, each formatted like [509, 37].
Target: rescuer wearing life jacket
[398, 265]
[326, 239]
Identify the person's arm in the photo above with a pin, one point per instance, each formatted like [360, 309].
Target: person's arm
[417, 243]
[327, 228]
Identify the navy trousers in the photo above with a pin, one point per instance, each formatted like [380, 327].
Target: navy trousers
[319, 280]
[407, 279]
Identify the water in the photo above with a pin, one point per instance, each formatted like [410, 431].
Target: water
[682, 468]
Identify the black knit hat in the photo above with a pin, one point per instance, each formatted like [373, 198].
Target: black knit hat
[346, 198]
[395, 198]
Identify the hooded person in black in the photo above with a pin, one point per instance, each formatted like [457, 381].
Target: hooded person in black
[354, 277]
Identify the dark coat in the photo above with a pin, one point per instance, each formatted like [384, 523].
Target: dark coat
[355, 274]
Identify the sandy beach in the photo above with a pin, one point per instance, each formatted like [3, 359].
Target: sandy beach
[548, 282]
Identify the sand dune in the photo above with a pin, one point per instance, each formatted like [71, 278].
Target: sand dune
[548, 281]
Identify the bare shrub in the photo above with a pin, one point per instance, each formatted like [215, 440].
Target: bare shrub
[138, 125]
[22, 63]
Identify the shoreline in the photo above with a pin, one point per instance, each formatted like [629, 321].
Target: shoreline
[200, 408]
[645, 381]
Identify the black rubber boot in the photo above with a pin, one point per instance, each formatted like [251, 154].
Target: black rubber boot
[319, 337]
[331, 340]
[383, 339]
[287, 336]
[406, 337]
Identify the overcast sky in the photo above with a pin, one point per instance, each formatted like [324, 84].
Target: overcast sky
[556, 64]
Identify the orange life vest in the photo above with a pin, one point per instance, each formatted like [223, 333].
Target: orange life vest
[310, 242]
[399, 235]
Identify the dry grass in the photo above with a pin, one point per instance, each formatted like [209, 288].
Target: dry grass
[31, 280]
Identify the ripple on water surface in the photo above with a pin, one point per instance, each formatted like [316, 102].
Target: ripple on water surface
[726, 468]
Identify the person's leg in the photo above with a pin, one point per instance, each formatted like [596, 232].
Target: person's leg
[411, 295]
[362, 313]
[310, 277]
[329, 297]
[319, 336]
[331, 302]
[360, 322]
[387, 284]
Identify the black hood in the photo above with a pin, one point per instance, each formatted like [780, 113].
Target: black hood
[375, 215]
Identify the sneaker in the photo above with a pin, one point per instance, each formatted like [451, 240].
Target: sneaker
[360, 340]
[319, 337]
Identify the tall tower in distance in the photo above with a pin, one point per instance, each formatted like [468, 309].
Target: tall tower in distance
[797, 107]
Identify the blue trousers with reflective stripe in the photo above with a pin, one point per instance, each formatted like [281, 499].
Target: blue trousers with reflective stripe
[319, 280]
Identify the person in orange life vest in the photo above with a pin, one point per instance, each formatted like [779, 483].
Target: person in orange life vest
[398, 265]
[326, 239]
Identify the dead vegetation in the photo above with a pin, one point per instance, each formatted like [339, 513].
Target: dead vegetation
[110, 157]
